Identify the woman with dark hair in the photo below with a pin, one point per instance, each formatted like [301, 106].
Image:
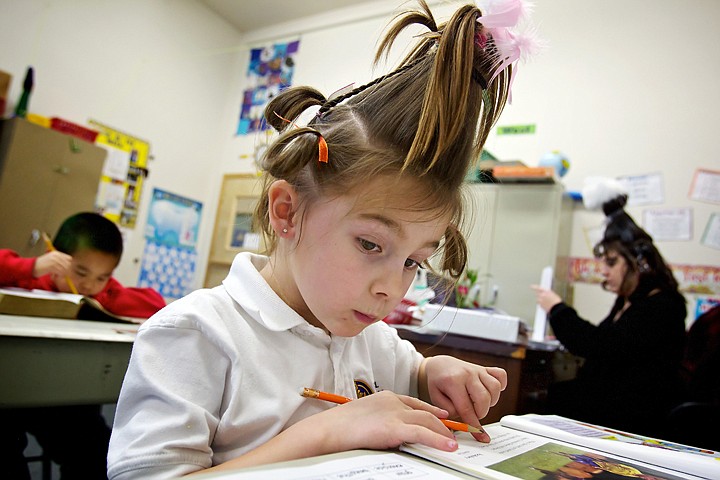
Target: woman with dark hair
[630, 376]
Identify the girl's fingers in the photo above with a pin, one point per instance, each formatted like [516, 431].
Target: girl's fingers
[417, 404]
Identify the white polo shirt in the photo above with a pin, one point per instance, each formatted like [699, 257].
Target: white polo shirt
[219, 372]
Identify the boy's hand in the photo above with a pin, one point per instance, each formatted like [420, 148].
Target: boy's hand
[54, 262]
[464, 389]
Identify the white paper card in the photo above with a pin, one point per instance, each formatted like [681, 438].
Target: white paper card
[540, 324]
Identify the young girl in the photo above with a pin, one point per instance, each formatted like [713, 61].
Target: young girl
[353, 204]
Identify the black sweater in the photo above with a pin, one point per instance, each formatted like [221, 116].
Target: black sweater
[630, 377]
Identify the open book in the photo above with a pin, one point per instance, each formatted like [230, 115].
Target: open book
[534, 447]
[42, 303]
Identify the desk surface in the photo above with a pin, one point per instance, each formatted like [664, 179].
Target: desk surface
[493, 347]
[39, 327]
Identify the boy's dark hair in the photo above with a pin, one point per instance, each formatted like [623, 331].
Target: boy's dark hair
[88, 230]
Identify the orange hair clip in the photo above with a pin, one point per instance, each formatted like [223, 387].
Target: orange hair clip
[322, 149]
[322, 144]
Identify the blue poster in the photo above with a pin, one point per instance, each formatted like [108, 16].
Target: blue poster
[173, 220]
[168, 269]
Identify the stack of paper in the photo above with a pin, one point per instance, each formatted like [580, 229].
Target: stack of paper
[473, 323]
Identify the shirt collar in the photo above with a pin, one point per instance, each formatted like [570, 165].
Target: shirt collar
[248, 288]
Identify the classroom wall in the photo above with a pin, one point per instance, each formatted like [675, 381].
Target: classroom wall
[157, 69]
[623, 88]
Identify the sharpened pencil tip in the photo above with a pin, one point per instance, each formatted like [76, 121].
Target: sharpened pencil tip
[472, 429]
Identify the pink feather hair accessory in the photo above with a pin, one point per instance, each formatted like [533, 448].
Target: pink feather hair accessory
[499, 19]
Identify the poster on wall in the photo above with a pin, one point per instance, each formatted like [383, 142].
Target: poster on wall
[693, 279]
[644, 189]
[168, 269]
[705, 186]
[711, 234]
[270, 70]
[123, 175]
[173, 220]
[668, 224]
[169, 259]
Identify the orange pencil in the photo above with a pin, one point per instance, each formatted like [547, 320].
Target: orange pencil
[331, 397]
[51, 248]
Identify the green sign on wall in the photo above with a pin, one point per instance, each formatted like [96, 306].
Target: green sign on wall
[516, 130]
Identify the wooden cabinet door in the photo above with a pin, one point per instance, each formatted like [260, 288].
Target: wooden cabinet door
[45, 176]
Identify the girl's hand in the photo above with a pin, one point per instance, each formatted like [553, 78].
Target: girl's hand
[54, 262]
[385, 420]
[464, 389]
[379, 421]
[546, 298]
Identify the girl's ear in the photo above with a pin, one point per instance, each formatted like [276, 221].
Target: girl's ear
[282, 206]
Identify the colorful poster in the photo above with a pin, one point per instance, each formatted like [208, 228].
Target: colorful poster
[270, 70]
[173, 220]
[703, 305]
[693, 279]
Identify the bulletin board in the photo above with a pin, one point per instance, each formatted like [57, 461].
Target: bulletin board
[126, 168]
[233, 232]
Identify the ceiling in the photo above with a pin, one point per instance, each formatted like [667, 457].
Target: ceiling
[247, 15]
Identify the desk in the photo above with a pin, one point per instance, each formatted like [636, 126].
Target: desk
[52, 362]
[529, 366]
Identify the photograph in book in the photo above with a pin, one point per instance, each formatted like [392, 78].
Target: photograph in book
[518, 455]
[684, 458]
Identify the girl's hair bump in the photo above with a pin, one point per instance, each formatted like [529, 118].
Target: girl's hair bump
[426, 120]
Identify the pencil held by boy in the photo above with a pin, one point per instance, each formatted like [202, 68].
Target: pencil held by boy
[352, 205]
[81, 259]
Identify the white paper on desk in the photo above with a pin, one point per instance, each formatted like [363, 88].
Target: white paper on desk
[362, 467]
[540, 324]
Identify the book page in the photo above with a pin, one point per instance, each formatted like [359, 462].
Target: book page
[42, 294]
[683, 458]
[366, 466]
[515, 455]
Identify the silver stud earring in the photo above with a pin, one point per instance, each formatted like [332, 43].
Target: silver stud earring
[284, 230]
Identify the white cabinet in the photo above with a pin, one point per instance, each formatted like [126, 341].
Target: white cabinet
[516, 231]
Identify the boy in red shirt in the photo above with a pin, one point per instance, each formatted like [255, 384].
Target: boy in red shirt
[88, 248]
